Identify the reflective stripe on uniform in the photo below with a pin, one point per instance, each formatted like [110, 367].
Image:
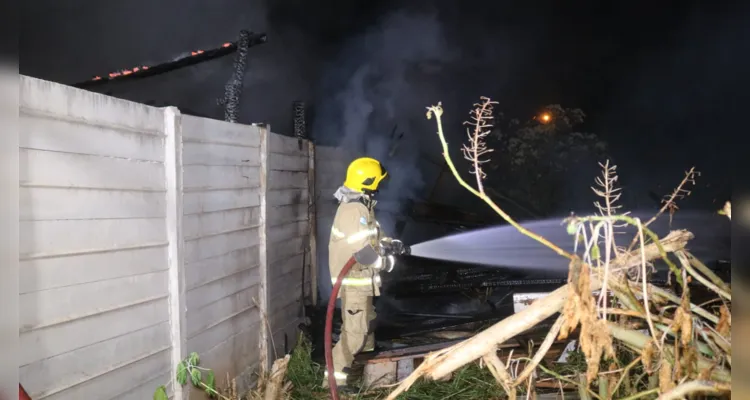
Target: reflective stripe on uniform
[355, 238]
[337, 233]
[354, 281]
[358, 281]
[359, 236]
[337, 375]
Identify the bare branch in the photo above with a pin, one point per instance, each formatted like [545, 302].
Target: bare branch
[475, 151]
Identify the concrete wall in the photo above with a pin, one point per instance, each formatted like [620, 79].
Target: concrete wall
[290, 263]
[94, 312]
[221, 228]
[146, 235]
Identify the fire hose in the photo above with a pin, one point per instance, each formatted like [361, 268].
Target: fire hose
[22, 395]
[327, 339]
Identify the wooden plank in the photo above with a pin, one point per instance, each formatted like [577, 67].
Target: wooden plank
[55, 237]
[38, 345]
[201, 318]
[286, 162]
[43, 133]
[205, 130]
[286, 231]
[215, 335]
[283, 197]
[59, 372]
[68, 303]
[43, 203]
[287, 180]
[220, 154]
[282, 215]
[280, 144]
[283, 250]
[212, 246]
[205, 224]
[131, 378]
[233, 262]
[96, 109]
[220, 177]
[45, 168]
[221, 287]
[55, 272]
[217, 200]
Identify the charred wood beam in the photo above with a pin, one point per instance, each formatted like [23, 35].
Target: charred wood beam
[233, 88]
[195, 57]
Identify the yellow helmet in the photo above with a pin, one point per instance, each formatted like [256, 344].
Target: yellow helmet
[364, 175]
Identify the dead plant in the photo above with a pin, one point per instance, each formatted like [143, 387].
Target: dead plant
[689, 346]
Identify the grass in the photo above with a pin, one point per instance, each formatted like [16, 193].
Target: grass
[468, 383]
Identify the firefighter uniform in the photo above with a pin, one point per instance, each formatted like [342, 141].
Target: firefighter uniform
[355, 232]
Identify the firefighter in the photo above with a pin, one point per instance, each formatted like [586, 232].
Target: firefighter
[356, 233]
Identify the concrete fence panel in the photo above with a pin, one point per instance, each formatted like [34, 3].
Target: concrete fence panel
[290, 264]
[94, 310]
[146, 235]
[221, 228]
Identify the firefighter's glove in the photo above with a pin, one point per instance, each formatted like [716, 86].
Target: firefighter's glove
[389, 249]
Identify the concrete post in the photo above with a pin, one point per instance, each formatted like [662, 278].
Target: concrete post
[175, 261]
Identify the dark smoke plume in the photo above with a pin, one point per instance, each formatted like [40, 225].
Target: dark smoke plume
[366, 92]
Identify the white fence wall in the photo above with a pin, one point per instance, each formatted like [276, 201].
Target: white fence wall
[290, 264]
[93, 246]
[221, 226]
[143, 238]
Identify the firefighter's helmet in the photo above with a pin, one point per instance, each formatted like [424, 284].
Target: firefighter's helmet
[364, 175]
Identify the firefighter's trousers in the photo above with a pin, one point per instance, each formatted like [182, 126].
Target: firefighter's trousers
[357, 313]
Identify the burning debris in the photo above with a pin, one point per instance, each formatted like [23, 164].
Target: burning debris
[186, 60]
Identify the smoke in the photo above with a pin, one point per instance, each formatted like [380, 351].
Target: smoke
[365, 90]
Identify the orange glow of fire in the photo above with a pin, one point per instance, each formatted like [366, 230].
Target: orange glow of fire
[545, 118]
[121, 73]
[143, 67]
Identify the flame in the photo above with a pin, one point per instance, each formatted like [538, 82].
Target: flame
[144, 67]
[545, 118]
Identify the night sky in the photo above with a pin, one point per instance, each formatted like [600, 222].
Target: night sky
[660, 81]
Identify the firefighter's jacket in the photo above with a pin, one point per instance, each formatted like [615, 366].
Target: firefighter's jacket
[355, 231]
